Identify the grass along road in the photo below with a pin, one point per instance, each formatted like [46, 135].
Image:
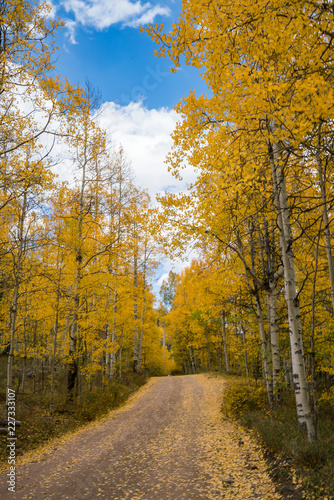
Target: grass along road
[168, 442]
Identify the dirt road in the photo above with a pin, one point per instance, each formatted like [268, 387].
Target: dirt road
[168, 443]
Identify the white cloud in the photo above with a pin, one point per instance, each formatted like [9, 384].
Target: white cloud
[71, 27]
[148, 16]
[145, 135]
[101, 14]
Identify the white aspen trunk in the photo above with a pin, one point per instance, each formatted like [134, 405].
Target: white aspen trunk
[286, 369]
[272, 313]
[140, 346]
[140, 349]
[274, 341]
[264, 353]
[305, 418]
[102, 371]
[120, 355]
[226, 361]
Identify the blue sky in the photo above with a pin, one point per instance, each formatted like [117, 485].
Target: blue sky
[101, 41]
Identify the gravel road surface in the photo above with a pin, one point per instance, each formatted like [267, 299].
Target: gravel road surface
[168, 442]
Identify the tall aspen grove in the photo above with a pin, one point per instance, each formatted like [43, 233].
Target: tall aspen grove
[76, 258]
[258, 299]
[170, 235]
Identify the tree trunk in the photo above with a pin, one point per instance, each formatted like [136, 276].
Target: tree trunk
[193, 367]
[73, 361]
[163, 351]
[226, 361]
[305, 419]
[264, 349]
[312, 343]
[245, 351]
[272, 314]
[143, 316]
[274, 342]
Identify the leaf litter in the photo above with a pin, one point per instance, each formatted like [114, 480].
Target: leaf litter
[169, 442]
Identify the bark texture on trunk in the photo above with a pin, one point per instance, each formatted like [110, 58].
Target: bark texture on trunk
[305, 418]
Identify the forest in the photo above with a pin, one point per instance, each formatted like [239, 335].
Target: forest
[77, 259]
[260, 296]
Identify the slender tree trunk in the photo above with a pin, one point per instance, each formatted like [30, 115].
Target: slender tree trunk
[312, 342]
[274, 342]
[73, 359]
[193, 367]
[272, 314]
[264, 349]
[245, 351]
[102, 371]
[163, 351]
[305, 418]
[226, 361]
[120, 358]
[267, 374]
[140, 350]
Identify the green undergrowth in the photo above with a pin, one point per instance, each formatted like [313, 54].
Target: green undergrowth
[38, 426]
[310, 465]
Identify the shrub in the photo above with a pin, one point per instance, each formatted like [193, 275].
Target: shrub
[239, 396]
[292, 457]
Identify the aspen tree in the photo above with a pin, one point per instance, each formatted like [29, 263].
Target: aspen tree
[257, 60]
